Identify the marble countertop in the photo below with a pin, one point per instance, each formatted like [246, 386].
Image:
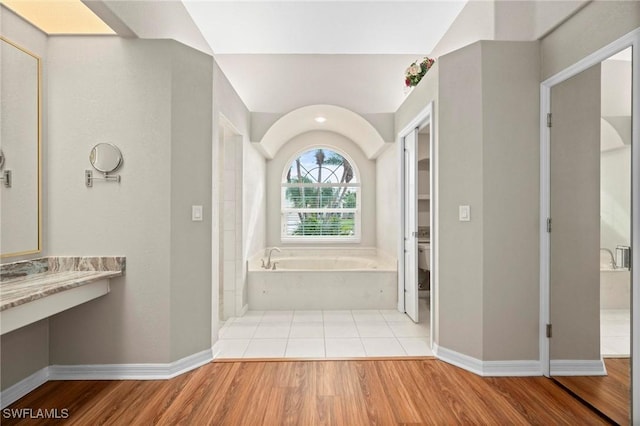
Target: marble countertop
[31, 287]
[26, 281]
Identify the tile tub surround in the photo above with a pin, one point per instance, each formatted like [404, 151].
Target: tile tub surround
[26, 281]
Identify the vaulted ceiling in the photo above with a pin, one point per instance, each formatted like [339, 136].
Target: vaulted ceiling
[282, 55]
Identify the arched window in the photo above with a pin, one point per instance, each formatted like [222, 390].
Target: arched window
[320, 198]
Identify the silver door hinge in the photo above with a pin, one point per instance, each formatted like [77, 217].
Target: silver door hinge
[548, 119]
[548, 224]
[549, 331]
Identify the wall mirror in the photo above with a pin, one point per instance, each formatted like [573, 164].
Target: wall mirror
[105, 157]
[590, 172]
[20, 139]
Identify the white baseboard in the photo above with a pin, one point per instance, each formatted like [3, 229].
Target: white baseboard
[23, 387]
[578, 367]
[521, 368]
[130, 371]
[459, 360]
[105, 372]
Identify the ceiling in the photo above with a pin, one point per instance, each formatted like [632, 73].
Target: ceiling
[59, 16]
[282, 55]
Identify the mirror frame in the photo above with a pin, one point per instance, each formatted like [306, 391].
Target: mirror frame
[631, 39]
[117, 166]
[38, 59]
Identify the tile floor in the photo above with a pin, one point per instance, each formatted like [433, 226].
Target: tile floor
[615, 332]
[361, 333]
[324, 334]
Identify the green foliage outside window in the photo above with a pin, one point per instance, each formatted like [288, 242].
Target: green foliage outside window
[328, 192]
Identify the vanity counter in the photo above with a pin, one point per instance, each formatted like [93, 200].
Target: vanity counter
[26, 289]
[33, 290]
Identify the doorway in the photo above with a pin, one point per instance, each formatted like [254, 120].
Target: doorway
[417, 284]
[589, 170]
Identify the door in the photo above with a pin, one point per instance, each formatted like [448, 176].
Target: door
[411, 225]
[590, 210]
[574, 285]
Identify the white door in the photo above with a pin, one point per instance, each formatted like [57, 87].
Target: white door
[411, 226]
[574, 276]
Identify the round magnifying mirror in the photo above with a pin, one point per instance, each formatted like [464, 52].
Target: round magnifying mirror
[1, 159]
[105, 157]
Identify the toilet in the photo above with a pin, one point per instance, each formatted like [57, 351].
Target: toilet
[424, 255]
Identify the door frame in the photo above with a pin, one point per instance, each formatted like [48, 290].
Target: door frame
[422, 119]
[631, 39]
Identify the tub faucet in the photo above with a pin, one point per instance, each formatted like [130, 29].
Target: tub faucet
[612, 264]
[269, 265]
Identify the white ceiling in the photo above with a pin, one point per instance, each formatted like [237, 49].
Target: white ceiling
[281, 55]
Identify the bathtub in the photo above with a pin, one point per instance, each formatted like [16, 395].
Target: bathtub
[615, 288]
[323, 279]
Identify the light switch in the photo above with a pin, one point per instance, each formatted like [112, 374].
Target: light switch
[196, 213]
[464, 213]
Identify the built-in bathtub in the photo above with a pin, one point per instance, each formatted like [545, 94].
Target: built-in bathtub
[323, 279]
[615, 288]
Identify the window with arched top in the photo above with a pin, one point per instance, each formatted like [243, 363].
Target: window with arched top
[320, 197]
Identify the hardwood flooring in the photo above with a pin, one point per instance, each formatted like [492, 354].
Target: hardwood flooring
[356, 392]
[610, 394]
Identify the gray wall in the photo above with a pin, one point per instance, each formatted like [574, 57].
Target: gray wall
[147, 98]
[191, 150]
[486, 133]
[460, 177]
[596, 25]
[106, 89]
[511, 220]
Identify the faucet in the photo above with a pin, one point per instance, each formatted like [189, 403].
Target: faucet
[269, 265]
[612, 264]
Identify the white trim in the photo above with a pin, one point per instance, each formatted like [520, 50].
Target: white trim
[524, 368]
[23, 387]
[105, 372]
[159, 371]
[424, 116]
[632, 39]
[401, 203]
[545, 212]
[578, 367]
[516, 368]
[635, 231]
[433, 220]
[466, 362]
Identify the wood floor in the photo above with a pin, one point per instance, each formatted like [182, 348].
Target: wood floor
[611, 394]
[362, 392]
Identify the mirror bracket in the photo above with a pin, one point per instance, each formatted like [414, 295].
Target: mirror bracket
[6, 177]
[89, 178]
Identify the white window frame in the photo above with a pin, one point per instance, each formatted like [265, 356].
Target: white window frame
[357, 211]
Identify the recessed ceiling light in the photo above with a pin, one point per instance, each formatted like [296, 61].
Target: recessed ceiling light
[320, 119]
